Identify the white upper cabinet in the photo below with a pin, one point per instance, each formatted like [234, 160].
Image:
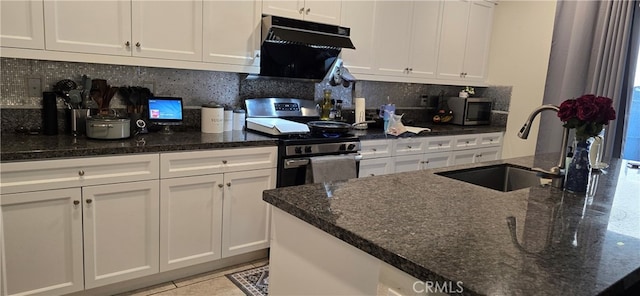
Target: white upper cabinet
[101, 27]
[359, 17]
[21, 24]
[167, 29]
[238, 46]
[393, 38]
[464, 40]
[327, 12]
[153, 29]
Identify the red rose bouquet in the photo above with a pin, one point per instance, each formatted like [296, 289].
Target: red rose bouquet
[587, 114]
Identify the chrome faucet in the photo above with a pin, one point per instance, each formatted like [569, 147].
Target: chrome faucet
[556, 173]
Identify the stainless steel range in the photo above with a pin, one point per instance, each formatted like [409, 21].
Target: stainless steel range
[284, 118]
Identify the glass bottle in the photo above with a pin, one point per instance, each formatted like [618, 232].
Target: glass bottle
[338, 109]
[325, 107]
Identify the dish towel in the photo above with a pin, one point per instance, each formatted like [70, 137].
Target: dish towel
[331, 168]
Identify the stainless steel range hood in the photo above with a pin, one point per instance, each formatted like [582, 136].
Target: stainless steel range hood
[296, 49]
[284, 30]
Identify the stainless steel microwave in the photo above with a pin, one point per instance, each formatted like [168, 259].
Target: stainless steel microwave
[470, 111]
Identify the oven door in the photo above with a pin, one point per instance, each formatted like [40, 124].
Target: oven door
[293, 171]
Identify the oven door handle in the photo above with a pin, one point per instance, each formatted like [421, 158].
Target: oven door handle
[295, 163]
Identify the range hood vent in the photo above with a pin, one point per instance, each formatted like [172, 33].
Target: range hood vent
[289, 31]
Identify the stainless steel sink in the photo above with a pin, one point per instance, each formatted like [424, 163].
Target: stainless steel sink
[502, 177]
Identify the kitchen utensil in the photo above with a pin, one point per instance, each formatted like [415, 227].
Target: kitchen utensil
[326, 127]
[108, 127]
[75, 98]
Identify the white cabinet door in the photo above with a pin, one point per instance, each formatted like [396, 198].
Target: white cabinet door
[425, 29]
[478, 39]
[245, 217]
[488, 154]
[323, 11]
[22, 24]
[42, 242]
[407, 163]
[376, 167]
[376, 148]
[100, 27]
[464, 156]
[190, 220]
[237, 46]
[392, 29]
[285, 8]
[437, 160]
[121, 232]
[359, 17]
[167, 29]
[408, 146]
[465, 39]
[455, 18]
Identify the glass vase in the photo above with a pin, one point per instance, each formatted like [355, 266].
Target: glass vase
[578, 171]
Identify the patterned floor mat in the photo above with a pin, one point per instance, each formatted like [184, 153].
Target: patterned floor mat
[253, 282]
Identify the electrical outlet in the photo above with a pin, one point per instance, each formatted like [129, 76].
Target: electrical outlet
[424, 101]
[34, 86]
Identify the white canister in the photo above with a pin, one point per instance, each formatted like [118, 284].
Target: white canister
[228, 120]
[239, 117]
[360, 113]
[212, 119]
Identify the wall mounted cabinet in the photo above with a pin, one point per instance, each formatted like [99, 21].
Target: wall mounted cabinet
[326, 12]
[128, 28]
[464, 40]
[21, 24]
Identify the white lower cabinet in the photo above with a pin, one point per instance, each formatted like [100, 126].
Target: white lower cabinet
[211, 204]
[245, 217]
[42, 242]
[121, 232]
[45, 234]
[190, 215]
[437, 160]
[407, 163]
[376, 167]
[464, 156]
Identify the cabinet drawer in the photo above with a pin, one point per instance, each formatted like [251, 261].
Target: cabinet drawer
[465, 142]
[184, 164]
[490, 139]
[376, 148]
[433, 144]
[64, 173]
[409, 146]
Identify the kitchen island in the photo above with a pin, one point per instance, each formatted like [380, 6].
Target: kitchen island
[444, 235]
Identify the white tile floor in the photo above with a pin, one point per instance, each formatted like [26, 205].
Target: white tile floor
[210, 283]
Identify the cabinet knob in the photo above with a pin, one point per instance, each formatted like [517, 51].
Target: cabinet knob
[374, 149]
[138, 44]
[301, 10]
[408, 147]
[89, 201]
[466, 142]
[228, 184]
[220, 185]
[80, 173]
[224, 162]
[439, 144]
[308, 10]
[127, 44]
[76, 202]
[372, 175]
[410, 69]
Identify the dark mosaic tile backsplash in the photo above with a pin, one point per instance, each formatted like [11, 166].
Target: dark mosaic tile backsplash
[18, 109]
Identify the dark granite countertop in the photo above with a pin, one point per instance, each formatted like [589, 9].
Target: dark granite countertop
[19, 147]
[32, 147]
[439, 229]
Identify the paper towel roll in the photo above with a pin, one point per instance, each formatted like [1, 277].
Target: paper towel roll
[360, 113]
[212, 119]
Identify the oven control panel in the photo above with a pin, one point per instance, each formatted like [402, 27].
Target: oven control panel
[323, 148]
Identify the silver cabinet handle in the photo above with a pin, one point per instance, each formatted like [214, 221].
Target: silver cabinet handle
[220, 185]
[80, 173]
[138, 44]
[408, 147]
[127, 44]
[89, 201]
[301, 10]
[410, 69]
[224, 162]
[308, 10]
[374, 149]
[76, 202]
[228, 184]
